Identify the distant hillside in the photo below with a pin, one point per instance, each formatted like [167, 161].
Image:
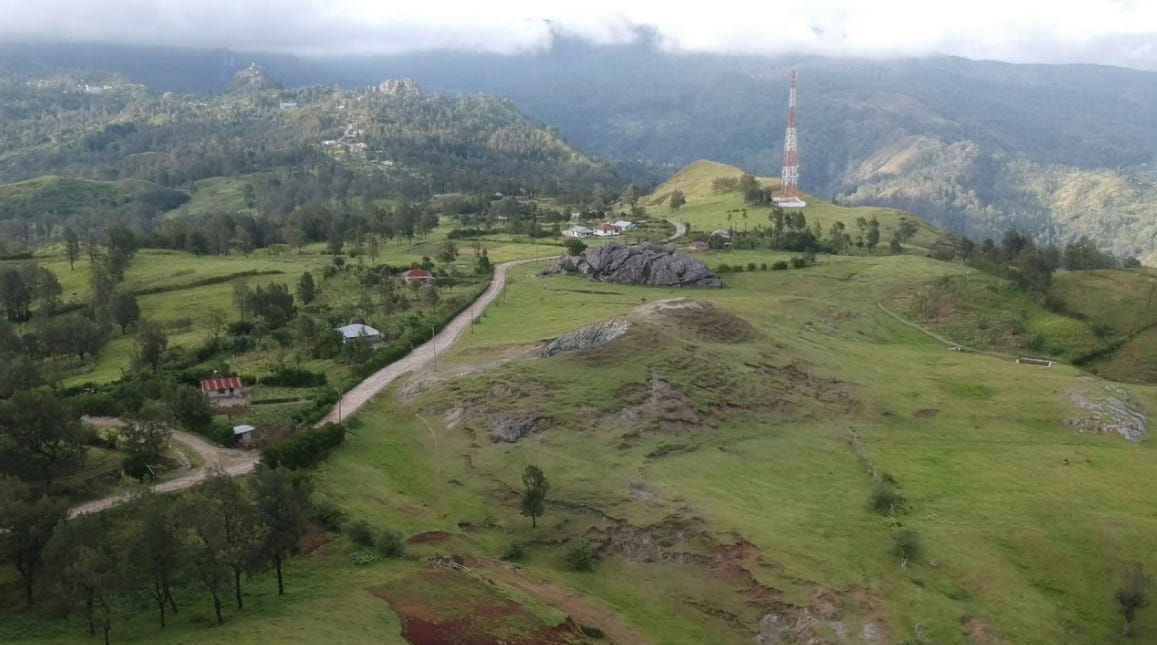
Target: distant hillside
[976, 147]
[64, 141]
[708, 209]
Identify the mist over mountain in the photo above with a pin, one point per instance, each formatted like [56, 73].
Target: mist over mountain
[976, 147]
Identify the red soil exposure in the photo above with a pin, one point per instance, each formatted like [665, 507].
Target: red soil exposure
[429, 537]
[476, 616]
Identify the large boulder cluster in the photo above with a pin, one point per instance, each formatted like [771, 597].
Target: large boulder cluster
[647, 264]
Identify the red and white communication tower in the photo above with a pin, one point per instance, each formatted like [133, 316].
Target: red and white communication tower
[788, 196]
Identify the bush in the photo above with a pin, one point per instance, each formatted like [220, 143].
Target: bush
[328, 514]
[514, 552]
[906, 545]
[294, 377]
[137, 467]
[360, 532]
[763, 266]
[574, 246]
[798, 263]
[581, 555]
[592, 632]
[750, 266]
[779, 265]
[389, 543]
[886, 499]
[304, 448]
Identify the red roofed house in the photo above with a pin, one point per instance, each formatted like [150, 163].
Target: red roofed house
[224, 391]
[699, 245]
[417, 275]
[607, 230]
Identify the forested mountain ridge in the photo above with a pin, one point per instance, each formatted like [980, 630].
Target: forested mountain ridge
[103, 147]
[974, 146]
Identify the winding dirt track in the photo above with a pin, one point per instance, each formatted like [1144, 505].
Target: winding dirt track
[241, 462]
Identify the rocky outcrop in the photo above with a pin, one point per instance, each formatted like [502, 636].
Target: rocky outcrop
[253, 78]
[647, 264]
[587, 337]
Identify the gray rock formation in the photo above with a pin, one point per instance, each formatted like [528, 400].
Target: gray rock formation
[587, 337]
[510, 429]
[647, 264]
[252, 78]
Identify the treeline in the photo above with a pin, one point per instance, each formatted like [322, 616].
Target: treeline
[1017, 257]
[202, 546]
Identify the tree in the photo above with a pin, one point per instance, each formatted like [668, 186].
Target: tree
[534, 498]
[44, 436]
[678, 199]
[281, 498]
[230, 527]
[148, 433]
[448, 253]
[294, 236]
[217, 321]
[124, 309]
[15, 295]
[1132, 594]
[190, 407]
[25, 528]
[157, 549]
[873, 234]
[306, 289]
[151, 344]
[71, 246]
[84, 560]
[574, 246]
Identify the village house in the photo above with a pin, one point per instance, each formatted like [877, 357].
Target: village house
[699, 246]
[224, 391]
[625, 225]
[417, 275]
[243, 435]
[355, 331]
[607, 230]
[578, 232]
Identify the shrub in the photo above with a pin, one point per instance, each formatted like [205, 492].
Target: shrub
[906, 545]
[592, 632]
[886, 499]
[574, 246]
[723, 268]
[304, 448]
[389, 543]
[581, 555]
[137, 467]
[750, 266]
[514, 552]
[328, 513]
[294, 377]
[763, 266]
[360, 532]
[779, 265]
[798, 262]
[365, 557]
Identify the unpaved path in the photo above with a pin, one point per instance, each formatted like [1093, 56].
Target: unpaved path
[214, 458]
[240, 462]
[353, 400]
[680, 230]
[570, 603]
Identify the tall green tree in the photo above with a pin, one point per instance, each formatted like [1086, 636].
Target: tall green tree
[281, 498]
[1133, 594]
[151, 343]
[44, 437]
[534, 496]
[157, 550]
[85, 559]
[148, 433]
[124, 310]
[306, 288]
[71, 246]
[228, 532]
[26, 525]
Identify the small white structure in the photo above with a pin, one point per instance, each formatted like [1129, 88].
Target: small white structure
[625, 225]
[722, 234]
[243, 435]
[578, 232]
[224, 391]
[607, 230]
[355, 331]
[789, 202]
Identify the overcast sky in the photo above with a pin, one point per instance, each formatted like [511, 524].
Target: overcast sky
[1120, 32]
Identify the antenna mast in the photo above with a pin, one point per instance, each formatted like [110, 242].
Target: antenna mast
[789, 181]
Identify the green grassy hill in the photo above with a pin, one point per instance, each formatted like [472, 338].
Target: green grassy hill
[707, 210]
[63, 197]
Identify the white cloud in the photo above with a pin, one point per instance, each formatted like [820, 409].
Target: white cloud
[1099, 31]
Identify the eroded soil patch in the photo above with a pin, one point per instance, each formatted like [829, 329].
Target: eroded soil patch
[443, 607]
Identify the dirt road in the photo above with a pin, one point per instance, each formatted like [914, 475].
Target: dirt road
[353, 400]
[241, 462]
[680, 230]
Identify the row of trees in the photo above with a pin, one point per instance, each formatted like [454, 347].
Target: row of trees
[153, 549]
